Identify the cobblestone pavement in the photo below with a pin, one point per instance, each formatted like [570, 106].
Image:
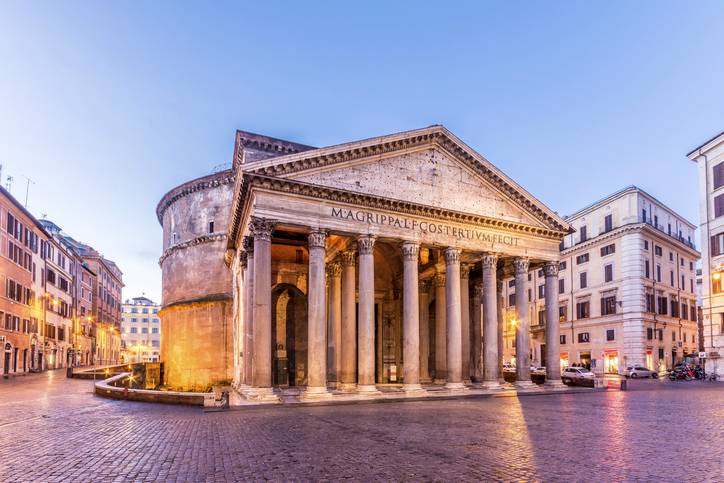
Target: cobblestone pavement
[54, 429]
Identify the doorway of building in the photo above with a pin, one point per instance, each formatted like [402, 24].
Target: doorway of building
[289, 337]
[585, 358]
[6, 365]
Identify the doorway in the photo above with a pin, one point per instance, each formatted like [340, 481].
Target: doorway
[289, 337]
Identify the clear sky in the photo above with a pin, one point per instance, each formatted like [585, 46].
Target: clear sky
[108, 105]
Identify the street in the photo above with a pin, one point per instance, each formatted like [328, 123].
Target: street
[54, 429]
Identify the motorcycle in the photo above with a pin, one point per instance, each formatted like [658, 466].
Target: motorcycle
[680, 375]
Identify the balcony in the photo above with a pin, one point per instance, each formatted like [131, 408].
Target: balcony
[675, 236]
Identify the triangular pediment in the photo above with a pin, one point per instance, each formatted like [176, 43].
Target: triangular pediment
[428, 167]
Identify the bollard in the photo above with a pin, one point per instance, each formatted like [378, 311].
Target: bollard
[623, 384]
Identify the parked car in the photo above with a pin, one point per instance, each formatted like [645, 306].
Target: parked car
[508, 368]
[577, 375]
[537, 371]
[639, 371]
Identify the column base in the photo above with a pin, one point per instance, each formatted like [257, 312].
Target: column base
[315, 394]
[261, 394]
[347, 387]
[438, 381]
[490, 385]
[413, 389]
[367, 390]
[455, 386]
[555, 384]
[526, 385]
[425, 380]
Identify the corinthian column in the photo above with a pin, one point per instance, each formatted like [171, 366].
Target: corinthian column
[316, 319]
[424, 301]
[410, 318]
[465, 319]
[454, 320]
[501, 325]
[366, 318]
[334, 331]
[522, 340]
[348, 370]
[553, 325]
[240, 322]
[261, 374]
[440, 330]
[490, 323]
[248, 353]
[477, 332]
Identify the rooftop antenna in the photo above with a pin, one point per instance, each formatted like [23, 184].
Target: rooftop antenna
[9, 183]
[27, 189]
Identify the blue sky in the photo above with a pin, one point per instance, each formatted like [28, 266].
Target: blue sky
[106, 106]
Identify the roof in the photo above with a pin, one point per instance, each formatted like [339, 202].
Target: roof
[250, 146]
[25, 211]
[710, 140]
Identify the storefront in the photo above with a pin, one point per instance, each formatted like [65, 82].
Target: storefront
[610, 361]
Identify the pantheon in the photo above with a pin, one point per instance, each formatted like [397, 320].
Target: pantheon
[353, 268]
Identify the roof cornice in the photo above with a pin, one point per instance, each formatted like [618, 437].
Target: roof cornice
[198, 184]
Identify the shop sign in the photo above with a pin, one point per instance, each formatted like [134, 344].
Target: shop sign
[702, 355]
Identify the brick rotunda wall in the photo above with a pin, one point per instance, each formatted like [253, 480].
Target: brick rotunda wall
[196, 316]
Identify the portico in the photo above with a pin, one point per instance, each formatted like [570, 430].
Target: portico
[377, 263]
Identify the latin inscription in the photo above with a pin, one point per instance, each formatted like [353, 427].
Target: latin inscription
[423, 226]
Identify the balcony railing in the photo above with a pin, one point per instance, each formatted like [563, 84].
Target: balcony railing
[675, 236]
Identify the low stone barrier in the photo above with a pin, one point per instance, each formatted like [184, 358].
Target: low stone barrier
[106, 389]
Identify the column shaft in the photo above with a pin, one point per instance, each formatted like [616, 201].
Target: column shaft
[553, 365]
[522, 344]
[316, 317]
[501, 325]
[410, 317]
[465, 319]
[366, 318]
[249, 311]
[424, 301]
[348, 371]
[490, 322]
[477, 332]
[453, 318]
[334, 331]
[262, 357]
[440, 330]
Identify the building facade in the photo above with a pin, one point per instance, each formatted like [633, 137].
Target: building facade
[710, 162]
[141, 331]
[59, 272]
[626, 291]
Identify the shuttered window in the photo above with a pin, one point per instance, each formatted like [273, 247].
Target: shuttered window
[718, 175]
[717, 245]
[719, 206]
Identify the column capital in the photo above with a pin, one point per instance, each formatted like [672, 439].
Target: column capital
[317, 239]
[465, 270]
[452, 256]
[334, 269]
[550, 269]
[423, 286]
[489, 260]
[521, 265]
[348, 257]
[410, 251]
[248, 244]
[439, 280]
[262, 228]
[366, 244]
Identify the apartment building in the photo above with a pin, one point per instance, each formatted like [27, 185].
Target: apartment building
[84, 330]
[710, 162]
[141, 330]
[626, 288]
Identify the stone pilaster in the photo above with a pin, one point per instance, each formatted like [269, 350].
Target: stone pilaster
[410, 318]
[316, 319]
[424, 302]
[366, 317]
[440, 330]
[454, 320]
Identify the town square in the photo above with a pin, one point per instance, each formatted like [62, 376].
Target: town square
[374, 242]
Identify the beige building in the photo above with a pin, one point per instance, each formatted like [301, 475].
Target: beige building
[354, 263]
[140, 331]
[710, 160]
[626, 289]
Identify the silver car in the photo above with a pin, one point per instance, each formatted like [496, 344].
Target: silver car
[639, 371]
[577, 375]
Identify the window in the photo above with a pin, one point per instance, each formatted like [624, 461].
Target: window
[658, 273]
[542, 317]
[663, 303]
[673, 336]
[608, 273]
[134, 330]
[650, 302]
[154, 330]
[717, 244]
[155, 321]
[671, 256]
[211, 227]
[718, 175]
[608, 223]
[674, 308]
[511, 300]
[583, 337]
[583, 281]
[610, 334]
[608, 305]
[608, 250]
[582, 258]
[562, 265]
[647, 269]
[583, 310]
[584, 235]
[671, 277]
[541, 291]
[561, 285]
[649, 333]
[716, 283]
[144, 330]
[692, 314]
[646, 244]
[658, 251]
[154, 343]
[719, 206]
[683, 283]
[643, 212]
[563, 339]
[511, 283]
[660, 335]
[563, 313]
